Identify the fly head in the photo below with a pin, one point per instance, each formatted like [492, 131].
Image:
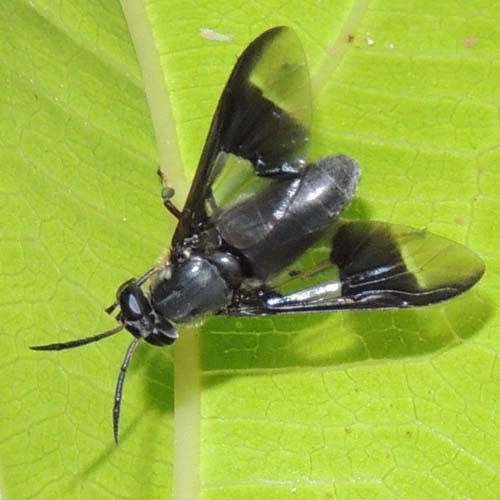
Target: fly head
[140, 319]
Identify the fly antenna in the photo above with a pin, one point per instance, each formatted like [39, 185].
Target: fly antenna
[78, 342]
[119, 387]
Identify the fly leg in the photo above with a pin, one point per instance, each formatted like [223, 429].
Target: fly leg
[286, 170]
[167, 194]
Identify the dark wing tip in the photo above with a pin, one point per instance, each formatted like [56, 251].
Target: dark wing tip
[390, 263]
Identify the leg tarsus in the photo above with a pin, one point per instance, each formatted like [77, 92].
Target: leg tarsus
[167, 193]
[167, 203]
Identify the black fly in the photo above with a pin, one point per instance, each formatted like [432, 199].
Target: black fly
[260, 231]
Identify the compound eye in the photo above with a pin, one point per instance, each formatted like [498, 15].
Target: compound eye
[133, 303]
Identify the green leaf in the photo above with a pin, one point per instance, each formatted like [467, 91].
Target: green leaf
[366, 405]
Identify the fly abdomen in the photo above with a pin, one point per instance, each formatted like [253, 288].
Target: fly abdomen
[274, 227]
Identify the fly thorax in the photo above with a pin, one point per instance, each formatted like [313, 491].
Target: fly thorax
[197, 286]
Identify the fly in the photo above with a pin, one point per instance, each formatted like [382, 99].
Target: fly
[260, 232]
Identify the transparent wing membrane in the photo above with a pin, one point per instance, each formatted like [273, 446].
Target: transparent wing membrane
[370, 265]
[259, 131]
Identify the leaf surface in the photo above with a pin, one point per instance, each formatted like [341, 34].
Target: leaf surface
[353, 405]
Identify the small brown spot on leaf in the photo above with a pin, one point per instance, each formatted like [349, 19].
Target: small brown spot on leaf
[459, 220]
[350, 38]
[470, 42]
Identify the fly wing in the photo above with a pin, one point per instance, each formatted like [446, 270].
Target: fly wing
[261, 125]
[368, 265]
